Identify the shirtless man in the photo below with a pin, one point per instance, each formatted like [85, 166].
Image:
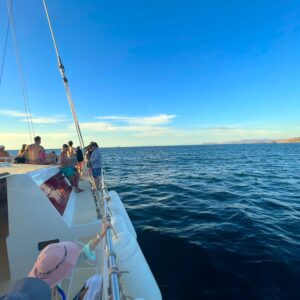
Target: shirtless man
[33, 151]
[4, 154]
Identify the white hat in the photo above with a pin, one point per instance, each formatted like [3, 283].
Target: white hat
[2, 147]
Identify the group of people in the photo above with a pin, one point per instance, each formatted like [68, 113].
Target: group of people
[71, 160]
[55, 262]
[35, 154]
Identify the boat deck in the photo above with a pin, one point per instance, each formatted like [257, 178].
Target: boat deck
[83, 211]
[12, 168]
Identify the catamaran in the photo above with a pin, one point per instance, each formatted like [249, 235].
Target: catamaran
[38, 206]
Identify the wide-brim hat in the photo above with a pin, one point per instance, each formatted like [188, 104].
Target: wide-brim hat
[55, 262]
[28, 288]
[93, 144]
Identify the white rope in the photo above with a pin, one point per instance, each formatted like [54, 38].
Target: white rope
[21, 75]
[71, 103]
[5, 43]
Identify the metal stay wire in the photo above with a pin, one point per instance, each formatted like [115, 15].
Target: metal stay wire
[70, 100]
[113, 270]
[6, 38]
[20, 71]
[65, 80]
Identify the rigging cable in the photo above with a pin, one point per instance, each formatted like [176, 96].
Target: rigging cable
[21, 75]
[65, 80]
[70, 100]
[109, 244]
[5, 43]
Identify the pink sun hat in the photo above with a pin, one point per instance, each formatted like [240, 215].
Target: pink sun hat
[55, 262]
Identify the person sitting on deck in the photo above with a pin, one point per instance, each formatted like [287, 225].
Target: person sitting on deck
[4, 155]
[20, 159]
[33, 152]
[57, 260]
[21, 152]
[67, 165]
[51, 158]
[28, 288]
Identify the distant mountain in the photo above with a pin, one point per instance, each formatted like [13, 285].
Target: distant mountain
[251, 141]
[290, 140]
[265, 141]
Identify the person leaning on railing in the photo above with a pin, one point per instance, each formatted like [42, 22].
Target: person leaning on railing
[96, 164]
[57, 260]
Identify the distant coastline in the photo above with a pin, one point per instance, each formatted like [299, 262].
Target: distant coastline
[266, 141]
[245, 141]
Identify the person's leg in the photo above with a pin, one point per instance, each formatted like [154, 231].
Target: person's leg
[77, 188]
[73, 180]
[80, 168]
[97, 175]
[96, 179]
[99, 183]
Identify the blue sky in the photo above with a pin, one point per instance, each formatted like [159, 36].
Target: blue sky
[154, 72]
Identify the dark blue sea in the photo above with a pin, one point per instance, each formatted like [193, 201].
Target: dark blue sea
[214, 221]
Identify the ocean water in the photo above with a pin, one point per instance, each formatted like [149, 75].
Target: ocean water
[214, 221]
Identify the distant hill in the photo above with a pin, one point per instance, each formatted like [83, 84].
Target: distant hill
[266, 141]
[290, 140]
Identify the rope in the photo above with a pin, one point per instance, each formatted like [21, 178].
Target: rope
[65, 80]
[5, 43]
[21, 75]
[111, 255]
[67, 88]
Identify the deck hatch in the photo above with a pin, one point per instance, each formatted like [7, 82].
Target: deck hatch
[58, 190]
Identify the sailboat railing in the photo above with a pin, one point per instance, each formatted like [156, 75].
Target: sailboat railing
[112, 264]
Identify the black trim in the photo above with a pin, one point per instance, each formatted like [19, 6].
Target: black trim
[43, 244]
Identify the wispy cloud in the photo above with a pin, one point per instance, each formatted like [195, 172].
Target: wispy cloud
[46, 120]
[157, 129]
[12, 113]
[137, 126]
[37, 120]
[109, 127]
[161, 127]
[152, 120]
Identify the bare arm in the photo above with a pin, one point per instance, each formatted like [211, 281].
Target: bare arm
[94, 243]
